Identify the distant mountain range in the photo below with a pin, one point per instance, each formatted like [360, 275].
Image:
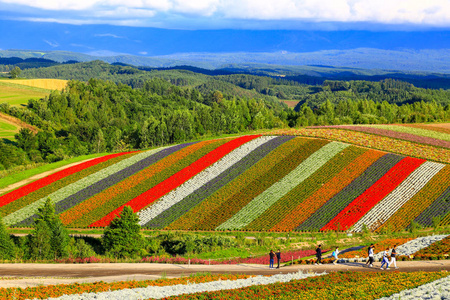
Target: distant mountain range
[366, 61]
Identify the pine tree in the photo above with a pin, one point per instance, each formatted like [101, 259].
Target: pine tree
[122, 238]
[7, 247]
[50, 237]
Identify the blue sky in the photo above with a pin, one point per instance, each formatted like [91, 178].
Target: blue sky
[160, 27]
[237, 14]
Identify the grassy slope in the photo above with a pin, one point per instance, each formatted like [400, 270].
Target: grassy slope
[19, 94]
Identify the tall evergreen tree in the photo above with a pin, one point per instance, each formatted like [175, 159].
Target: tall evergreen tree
[50, 237]
[122, 238]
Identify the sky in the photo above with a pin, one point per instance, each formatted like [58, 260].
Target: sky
[161, 27]
[237, 14]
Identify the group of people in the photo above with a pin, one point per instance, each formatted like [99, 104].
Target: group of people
[272, 256]
[385, 261]
[370, 251]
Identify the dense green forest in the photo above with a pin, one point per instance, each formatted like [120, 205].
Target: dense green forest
[128, 108]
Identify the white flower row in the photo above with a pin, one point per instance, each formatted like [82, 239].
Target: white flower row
[420, 243]
[175, 290]
[200, 179]
[75, 187]
[438, 289]
[386, 208]
[266, 199]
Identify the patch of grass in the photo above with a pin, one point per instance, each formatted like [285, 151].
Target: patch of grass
[17, 94]
[8, 130]
[21, 175]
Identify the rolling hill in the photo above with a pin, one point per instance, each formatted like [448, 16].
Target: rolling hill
[254, 182]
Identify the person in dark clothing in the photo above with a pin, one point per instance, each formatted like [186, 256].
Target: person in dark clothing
[319, 255]
[278, 254]
[271, 256]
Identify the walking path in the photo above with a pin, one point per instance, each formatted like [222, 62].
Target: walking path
[46, 274]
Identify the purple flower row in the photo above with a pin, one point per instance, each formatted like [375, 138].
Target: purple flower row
[342, 199]
[440, 207]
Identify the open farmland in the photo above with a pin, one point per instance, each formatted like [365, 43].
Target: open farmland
[19, 94]
[254, 182]
[45, 83]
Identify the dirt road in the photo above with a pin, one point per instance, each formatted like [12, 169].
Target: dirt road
[45, 274]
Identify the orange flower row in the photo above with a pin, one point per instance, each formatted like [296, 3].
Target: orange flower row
[417, 204]
[200, 216]
[101, 204]
[53, 291]
[310, 205]
[291, 200]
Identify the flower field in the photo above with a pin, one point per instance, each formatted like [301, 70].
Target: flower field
[336, 285]
[253, 182]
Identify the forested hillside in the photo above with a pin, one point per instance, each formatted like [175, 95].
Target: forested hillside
[129, 108]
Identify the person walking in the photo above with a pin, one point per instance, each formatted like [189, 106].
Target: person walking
[271, 258]
[393, 257]
[385, 260]
[319, 255]
[278, 254]
[335, 255]
[368, 255]
[371, 255]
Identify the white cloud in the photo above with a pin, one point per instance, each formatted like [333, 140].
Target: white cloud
[52, 44]
[109, 35]
[141, 12]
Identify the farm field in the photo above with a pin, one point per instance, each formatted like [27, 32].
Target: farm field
[17, 94]
[258, 183]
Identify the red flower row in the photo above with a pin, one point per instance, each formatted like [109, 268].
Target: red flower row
[362, 204]
[176, 180]
[29, 188]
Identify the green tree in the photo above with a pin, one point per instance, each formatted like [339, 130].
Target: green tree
[122, 238]
[26, 139]
[7, 247]
[14, 73]
[50, 237]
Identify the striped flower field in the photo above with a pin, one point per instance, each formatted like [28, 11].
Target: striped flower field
[253, 182]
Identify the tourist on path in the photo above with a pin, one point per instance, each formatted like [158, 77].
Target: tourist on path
[271, 256]
[371, 254]
[278, 253]
[319, 255]
[385, 259]
[335, 255]
[393, 257]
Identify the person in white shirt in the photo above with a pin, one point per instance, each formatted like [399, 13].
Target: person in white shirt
[393, 257]
[335, 255]
[385, 259]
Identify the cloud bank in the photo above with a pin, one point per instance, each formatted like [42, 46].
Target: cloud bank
[195, 14]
